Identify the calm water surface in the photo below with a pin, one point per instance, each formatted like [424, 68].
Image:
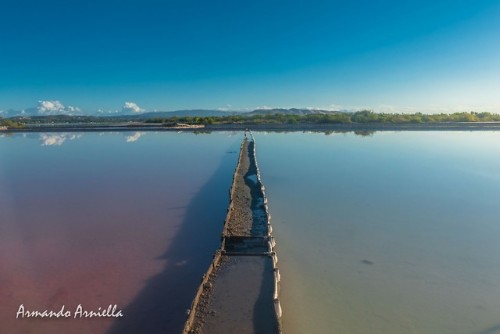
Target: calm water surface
[391, 233]
[131, 219]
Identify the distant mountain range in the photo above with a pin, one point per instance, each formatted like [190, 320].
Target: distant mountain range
[292, 111]
[33, 113]
[185, 113]
[14, 113]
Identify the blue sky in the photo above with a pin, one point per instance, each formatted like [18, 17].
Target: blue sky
[164, 55]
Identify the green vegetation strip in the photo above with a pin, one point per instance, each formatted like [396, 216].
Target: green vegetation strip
[364, 116]
[283, 117]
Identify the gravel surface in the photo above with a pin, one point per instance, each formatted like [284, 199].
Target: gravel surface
[241, 218]
[238, 295]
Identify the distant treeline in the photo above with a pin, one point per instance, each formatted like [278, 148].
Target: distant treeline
[364, 116]
[10, 124]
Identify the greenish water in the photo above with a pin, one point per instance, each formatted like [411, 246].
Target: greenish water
[391, 233]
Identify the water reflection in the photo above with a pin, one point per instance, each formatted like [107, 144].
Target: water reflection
[395, 233]
[135, 137]
[364, 133]
[361, 133]
[57, 139]
[89, 224]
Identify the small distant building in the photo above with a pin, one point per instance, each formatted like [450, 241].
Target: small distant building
[188, 126]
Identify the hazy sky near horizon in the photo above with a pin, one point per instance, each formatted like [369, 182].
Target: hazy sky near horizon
[389, 55]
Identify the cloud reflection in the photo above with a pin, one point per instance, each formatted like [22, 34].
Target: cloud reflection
[135, 137]
[58, 139]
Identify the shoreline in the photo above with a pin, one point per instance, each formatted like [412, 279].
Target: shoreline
[342, 127]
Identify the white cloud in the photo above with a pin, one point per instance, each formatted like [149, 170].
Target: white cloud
[134, 137]
[102, 111]
[227, 107]
[132, 107]
[57, 140]
[55, 107]
[331, 107]
[334, 107]
[264, 108]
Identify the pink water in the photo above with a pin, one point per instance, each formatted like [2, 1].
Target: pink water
[100, 220]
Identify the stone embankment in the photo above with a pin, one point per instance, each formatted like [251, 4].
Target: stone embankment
[240, 291]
